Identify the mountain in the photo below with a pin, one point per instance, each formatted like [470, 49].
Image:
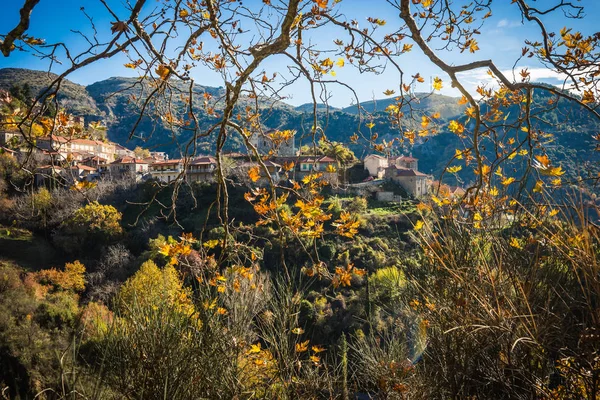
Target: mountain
[71, 95]
[118, 100]
[447, 106]
[309, 107]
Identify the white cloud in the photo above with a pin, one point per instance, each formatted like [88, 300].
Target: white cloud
[502, 23]
[505, 23]
[480, 77]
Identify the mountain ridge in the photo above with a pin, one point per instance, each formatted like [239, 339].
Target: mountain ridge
[110, 99]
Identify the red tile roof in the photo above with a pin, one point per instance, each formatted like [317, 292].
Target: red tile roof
[400, 171]
[62, 139]
[95, 159]
[83, 167]
[50, 167]
[203, 160]
[167, 162]
[129, 160]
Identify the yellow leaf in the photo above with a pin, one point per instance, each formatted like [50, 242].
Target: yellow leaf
[255, 348]
[556, 171]
[210, 244]
[544, 160]
[221, 311]
[473, 47]
[302, 347]
[437, 83]
[340, 62]
[454, 169]
[317, 349]
[162, 71]
[456, 127]
[418, 225]
[508, 181]
[254, 174]
[514, 242]
[588, 97]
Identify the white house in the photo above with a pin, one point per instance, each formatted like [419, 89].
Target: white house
[166, 171]
[376, 165]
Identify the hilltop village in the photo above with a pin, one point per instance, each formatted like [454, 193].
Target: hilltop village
[65, 161]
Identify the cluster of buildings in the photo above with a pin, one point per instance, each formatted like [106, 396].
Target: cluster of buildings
[79, 159]
[404, 170]
[73, 160]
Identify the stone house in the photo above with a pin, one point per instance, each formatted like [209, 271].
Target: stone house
[65, 147]
[376, 165]
[128, 168]
[273, 144]
[405, 162]
[414, 182]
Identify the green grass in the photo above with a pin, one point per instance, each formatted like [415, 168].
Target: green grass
[15, 234]
[30, 251]
[383, 208]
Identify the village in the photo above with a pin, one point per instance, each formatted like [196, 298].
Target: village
[66, 161]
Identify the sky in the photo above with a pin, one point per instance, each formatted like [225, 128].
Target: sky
[501, 40]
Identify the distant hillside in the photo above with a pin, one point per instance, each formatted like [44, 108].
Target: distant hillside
[445, 105]
[111, 100]
[309, 107]
[71, 95]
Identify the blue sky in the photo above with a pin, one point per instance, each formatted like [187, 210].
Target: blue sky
[501, 40]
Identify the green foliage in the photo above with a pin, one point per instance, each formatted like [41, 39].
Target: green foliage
[73, 96]
[151, 286]
[336, 150]
[386, 285]
[36, 322]
[357, 205]
[141, 152]
[89, 227]
[22, 92]
[98, 218]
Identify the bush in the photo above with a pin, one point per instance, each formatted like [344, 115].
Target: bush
[357, 205]
[89, 228]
